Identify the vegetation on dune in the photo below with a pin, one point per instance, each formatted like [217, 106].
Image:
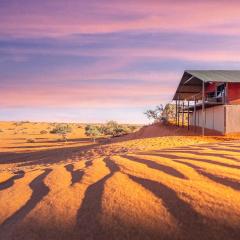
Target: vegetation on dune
[20, 123]
[111, 128]
[155, 114]
[62, 129]
[115, 129]
[92, 131]
[162, 114]
[169, 112]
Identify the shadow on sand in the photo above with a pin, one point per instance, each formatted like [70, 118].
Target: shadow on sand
[172, 156]
[221, 180]
[44, 156]
[8, 183]
[88, 218]
[39, 190]
[192, 224]
[78, 173]
[157, 166]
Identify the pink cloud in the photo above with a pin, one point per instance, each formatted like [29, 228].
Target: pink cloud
[61, 18]
[71, 87]
[64, 18]
[124, 56]
[89, 96]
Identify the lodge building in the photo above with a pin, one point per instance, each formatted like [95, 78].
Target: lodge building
[210, 99]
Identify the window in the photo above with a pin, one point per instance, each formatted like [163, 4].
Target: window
[220, 90]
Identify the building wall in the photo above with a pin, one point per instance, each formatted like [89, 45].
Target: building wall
[234, 93]
[232, 118]
[210, 87]
[214, 118]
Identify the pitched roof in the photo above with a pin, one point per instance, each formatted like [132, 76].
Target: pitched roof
[216, 75]
[191, 82]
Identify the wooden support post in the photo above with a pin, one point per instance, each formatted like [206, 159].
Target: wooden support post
[188, 116]
[176, 111]
[195, 115]
[183, 113]
[203, 108]
[226, 93]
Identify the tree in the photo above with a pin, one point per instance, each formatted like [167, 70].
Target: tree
[63, 130]
[92, 131]
[120, 130]
[155, 114]
[115, 129]
[108, 128]
[169, 112]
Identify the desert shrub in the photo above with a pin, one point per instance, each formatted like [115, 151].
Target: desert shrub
[1, 130]
[132, 128]
[62, 129]
[114, 129]
[109, 128]
[155, 114]
[92, 131]
[43, 132]
[120, 130]
[169, 112]
[20, 123]
[102, 129]
[30, 140]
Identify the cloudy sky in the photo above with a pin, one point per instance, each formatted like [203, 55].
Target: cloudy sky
[96, 60]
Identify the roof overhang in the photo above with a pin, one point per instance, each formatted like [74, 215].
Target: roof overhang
[188, 87]
[191, 82]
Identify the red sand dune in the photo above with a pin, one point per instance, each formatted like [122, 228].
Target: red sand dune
[158, 183]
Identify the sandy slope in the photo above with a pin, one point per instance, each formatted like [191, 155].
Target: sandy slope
[158, 183]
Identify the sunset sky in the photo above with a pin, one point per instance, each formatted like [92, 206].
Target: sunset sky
[97, 60]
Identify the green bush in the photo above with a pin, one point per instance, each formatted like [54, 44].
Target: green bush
[62, 129]
[115, 129]
[109, 128]
[92, 131]
[155, 114]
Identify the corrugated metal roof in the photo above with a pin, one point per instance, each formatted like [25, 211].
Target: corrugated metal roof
[191, 81]
[216, 75]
